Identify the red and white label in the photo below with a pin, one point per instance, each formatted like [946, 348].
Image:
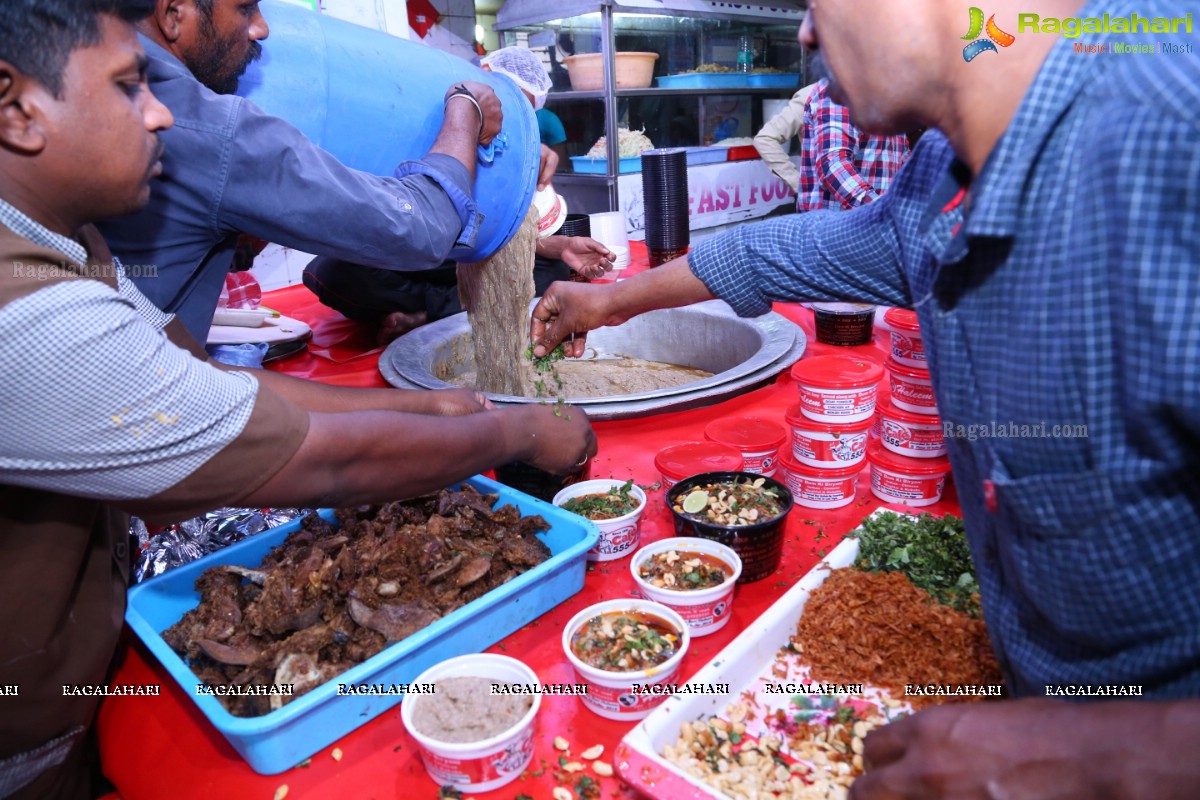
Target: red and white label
[830, 449]
[907, 348]
[623, 700]
[507, 761]
[919, 438]
[821, 490]
[613, 543]
[907, 488]
[915, 394]
[704, 614]
[762, 463]
[833, 403]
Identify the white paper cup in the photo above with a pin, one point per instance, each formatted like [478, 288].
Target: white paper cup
[611, 694]
[704, 610]
[484, 765]
[618, 536]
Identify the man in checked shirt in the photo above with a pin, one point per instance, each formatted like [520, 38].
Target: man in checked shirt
[1046, 230]
[842, 166]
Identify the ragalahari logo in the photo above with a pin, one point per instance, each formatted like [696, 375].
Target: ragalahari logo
[995, 35]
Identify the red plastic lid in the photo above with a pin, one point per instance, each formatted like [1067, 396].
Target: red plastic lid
[902, 319]
[907, 371]
[894, 462]
[748, 434]
[889, 409]
[837, 372]
[790, 464]
[691, 458]
[796, 419]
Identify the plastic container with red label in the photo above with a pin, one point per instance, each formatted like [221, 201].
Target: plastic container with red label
[819, 487]
[908, 348]
[909, 481]
[757, 439]
[837, 388]
[680, 461]
[704, 610]
[618, 536]
[912, 388]
[824, 444]
[621, 695]
[909, 434]
[484, 765]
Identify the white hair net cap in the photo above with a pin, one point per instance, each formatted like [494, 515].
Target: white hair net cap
[525, 68]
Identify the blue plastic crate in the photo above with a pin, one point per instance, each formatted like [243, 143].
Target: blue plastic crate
[599, 166]
[278, 741]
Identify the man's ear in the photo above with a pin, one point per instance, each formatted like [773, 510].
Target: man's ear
[173, 18]
[20, 98]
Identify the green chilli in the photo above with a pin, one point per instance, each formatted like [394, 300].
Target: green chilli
[976, 23]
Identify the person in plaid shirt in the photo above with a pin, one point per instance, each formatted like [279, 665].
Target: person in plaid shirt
[842, 167]
[1046, 231]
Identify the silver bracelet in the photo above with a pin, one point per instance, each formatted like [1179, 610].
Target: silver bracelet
[467, 96]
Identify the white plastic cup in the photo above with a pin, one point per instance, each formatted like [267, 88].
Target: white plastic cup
[609, 229]
[611, 694]
[704, 610]
[484, 765]
[618, 536]
[824, 444]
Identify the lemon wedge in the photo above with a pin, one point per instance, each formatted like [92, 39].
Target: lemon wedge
[695, 502]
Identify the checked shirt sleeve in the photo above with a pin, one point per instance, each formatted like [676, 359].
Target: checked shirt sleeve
[837, 142]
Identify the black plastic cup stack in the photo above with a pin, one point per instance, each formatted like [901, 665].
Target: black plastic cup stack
[665, 199]
[576, 225]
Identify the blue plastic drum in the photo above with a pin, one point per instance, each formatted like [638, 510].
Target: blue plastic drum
[374, 100]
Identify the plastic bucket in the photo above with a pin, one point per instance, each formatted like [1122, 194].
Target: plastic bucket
[908, 348]
[612, 694]
[909, 481]
[757, 439]
[912, 388]
[375, 100]
[909, 434]
[619, 535]
[827, 444]
[704, 610]
[844, 324]
[484, 765]
[818, 487]
[837, 388]
[679, 461]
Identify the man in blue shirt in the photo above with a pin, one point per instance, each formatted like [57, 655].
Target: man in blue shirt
[1047, 233]
[229, 168]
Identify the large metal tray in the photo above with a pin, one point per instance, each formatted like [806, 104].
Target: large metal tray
[742, 353]
[278, 741]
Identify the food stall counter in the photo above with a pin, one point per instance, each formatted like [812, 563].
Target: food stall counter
[155, 746]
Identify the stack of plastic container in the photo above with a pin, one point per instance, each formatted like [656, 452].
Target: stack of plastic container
[830, 427]
[908, 463]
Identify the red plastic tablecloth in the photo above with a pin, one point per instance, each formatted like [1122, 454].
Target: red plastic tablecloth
[156, 747]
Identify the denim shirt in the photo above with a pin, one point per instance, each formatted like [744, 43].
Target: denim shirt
[1067, 295]
[229, 168]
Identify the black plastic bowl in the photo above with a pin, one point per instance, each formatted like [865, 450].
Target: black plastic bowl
[537, 482]
[760, 546]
